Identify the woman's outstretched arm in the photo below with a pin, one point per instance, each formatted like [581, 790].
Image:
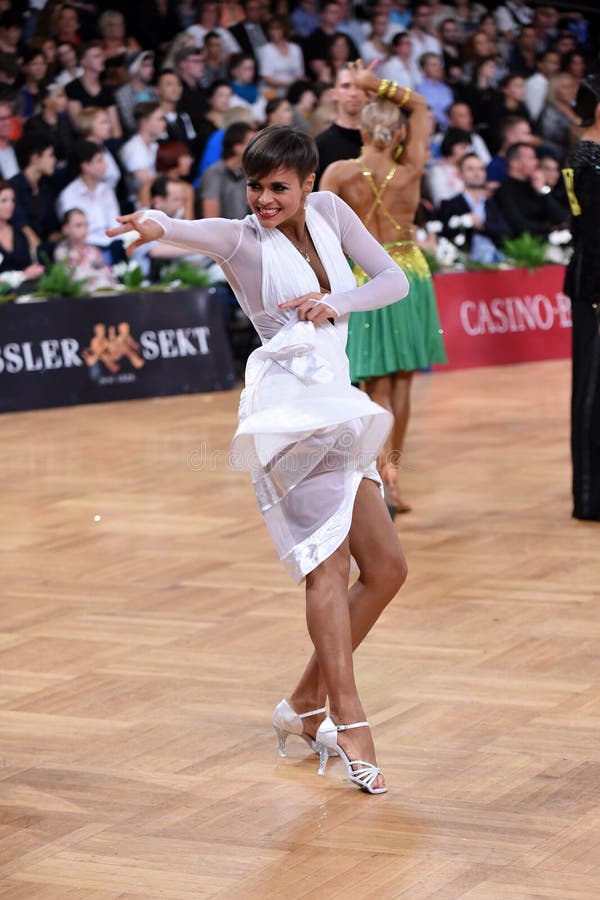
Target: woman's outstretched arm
[217, 238]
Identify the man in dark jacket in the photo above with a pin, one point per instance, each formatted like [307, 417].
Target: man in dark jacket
[524, 199]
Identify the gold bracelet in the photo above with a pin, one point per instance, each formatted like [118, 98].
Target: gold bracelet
[383, 86]
[405, 97]
[391, 91]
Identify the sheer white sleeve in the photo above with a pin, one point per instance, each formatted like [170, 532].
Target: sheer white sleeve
[388, 282]
[217, 238]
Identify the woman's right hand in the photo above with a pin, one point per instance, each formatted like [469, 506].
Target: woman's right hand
[148, 230]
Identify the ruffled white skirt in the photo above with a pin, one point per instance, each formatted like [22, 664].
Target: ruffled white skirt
[308, 438]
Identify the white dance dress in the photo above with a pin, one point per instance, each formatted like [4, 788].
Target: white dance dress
[305, 434]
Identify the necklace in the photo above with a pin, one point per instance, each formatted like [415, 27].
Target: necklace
[304, 252]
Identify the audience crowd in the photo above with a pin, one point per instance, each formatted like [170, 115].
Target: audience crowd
[104, 111]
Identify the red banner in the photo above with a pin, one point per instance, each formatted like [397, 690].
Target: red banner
[509, 316]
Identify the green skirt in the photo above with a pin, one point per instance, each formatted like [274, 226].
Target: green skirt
[404, 336]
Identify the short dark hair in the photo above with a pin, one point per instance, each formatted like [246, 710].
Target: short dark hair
[30, 145]
[515, 150]
[399, 37]
[144, 109]
[506, 79]
[84, 151]
[274, 103]
[281, 146]
[215, 85]
[234, 134]
[508, 123]
[469, 155]
[81, 51]
[297, 88]
[453, 137]
[160, 185]
[210, 35]
[69, 213]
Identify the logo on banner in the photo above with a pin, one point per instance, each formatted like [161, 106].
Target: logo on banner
[111, 346]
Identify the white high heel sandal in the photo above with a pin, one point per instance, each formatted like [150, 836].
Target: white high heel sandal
[365, 773]
[287, 721]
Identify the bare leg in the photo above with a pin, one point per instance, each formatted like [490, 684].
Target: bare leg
[401, 386]
[338, 621]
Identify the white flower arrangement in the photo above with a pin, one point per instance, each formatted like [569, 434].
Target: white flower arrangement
[434, 227]
[464, 221]
[560, 238]
[13, 279]
[446, 253]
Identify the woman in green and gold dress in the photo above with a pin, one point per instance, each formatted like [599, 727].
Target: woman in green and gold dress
[386, 346]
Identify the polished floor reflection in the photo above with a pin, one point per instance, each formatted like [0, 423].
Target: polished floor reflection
[147, 630]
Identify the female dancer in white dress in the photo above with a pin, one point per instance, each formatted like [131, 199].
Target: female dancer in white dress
[308, 437]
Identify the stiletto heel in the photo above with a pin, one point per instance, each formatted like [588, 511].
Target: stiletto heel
[365, 774]
[287, 721]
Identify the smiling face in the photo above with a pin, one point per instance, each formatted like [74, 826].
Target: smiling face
[278, 198]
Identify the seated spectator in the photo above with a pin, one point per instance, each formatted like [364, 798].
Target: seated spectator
[208, 20]
[173, 160]
[34, 191]
[477, 48]
[376, 47]
[178, 124]
[513, 130]
[242, 78]
[69, 68]
[8, 159]
[522, 58]
[340, 53]
[558, 122]
[469, 15]
[575, 64]
[138, 154]
[189, 65]
[88, 90]
[94, 197]
[219, 101]
[214, 145]
[512, 90]
[49, 47]
[422, 35]
[536, 86]
[481, 95]
[280, 61]
[350, 25]
[249, 33]
[222, 189]
[53, 120]
[303, 100]
[94, 124]
[472, 202]
[34, 67]
[15, 253]
[138, 89]
[279, 112]
[444, 178]
[460, 116]
[304, 18]
[117, 45]
[11, 34]
[400, 66]
[452, 43]
[438, 94]
[512, 16]
[215, 60]
[550, 169]
[75, 250]
[523, 199]
[67, 24]
[316, 45]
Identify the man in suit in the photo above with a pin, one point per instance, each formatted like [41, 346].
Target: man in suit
[470, 217]
[250, 34]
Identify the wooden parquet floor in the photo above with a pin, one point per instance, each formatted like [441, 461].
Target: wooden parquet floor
[147, 630]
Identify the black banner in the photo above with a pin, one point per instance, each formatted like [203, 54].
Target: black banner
[96, 349]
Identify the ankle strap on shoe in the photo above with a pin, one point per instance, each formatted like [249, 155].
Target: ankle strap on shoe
[353, 725]
[313, 712]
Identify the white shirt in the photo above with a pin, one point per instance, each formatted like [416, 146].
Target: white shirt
[8, 163]
[426, 44]
[99, 205]
[273, 64]
[228, 42]
[406, 76]
[536, 90]
[136, 154]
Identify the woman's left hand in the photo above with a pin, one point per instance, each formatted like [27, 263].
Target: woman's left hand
[311, 308]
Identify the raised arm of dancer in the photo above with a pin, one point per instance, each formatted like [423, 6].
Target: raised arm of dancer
[217, 238]
[414, 104]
